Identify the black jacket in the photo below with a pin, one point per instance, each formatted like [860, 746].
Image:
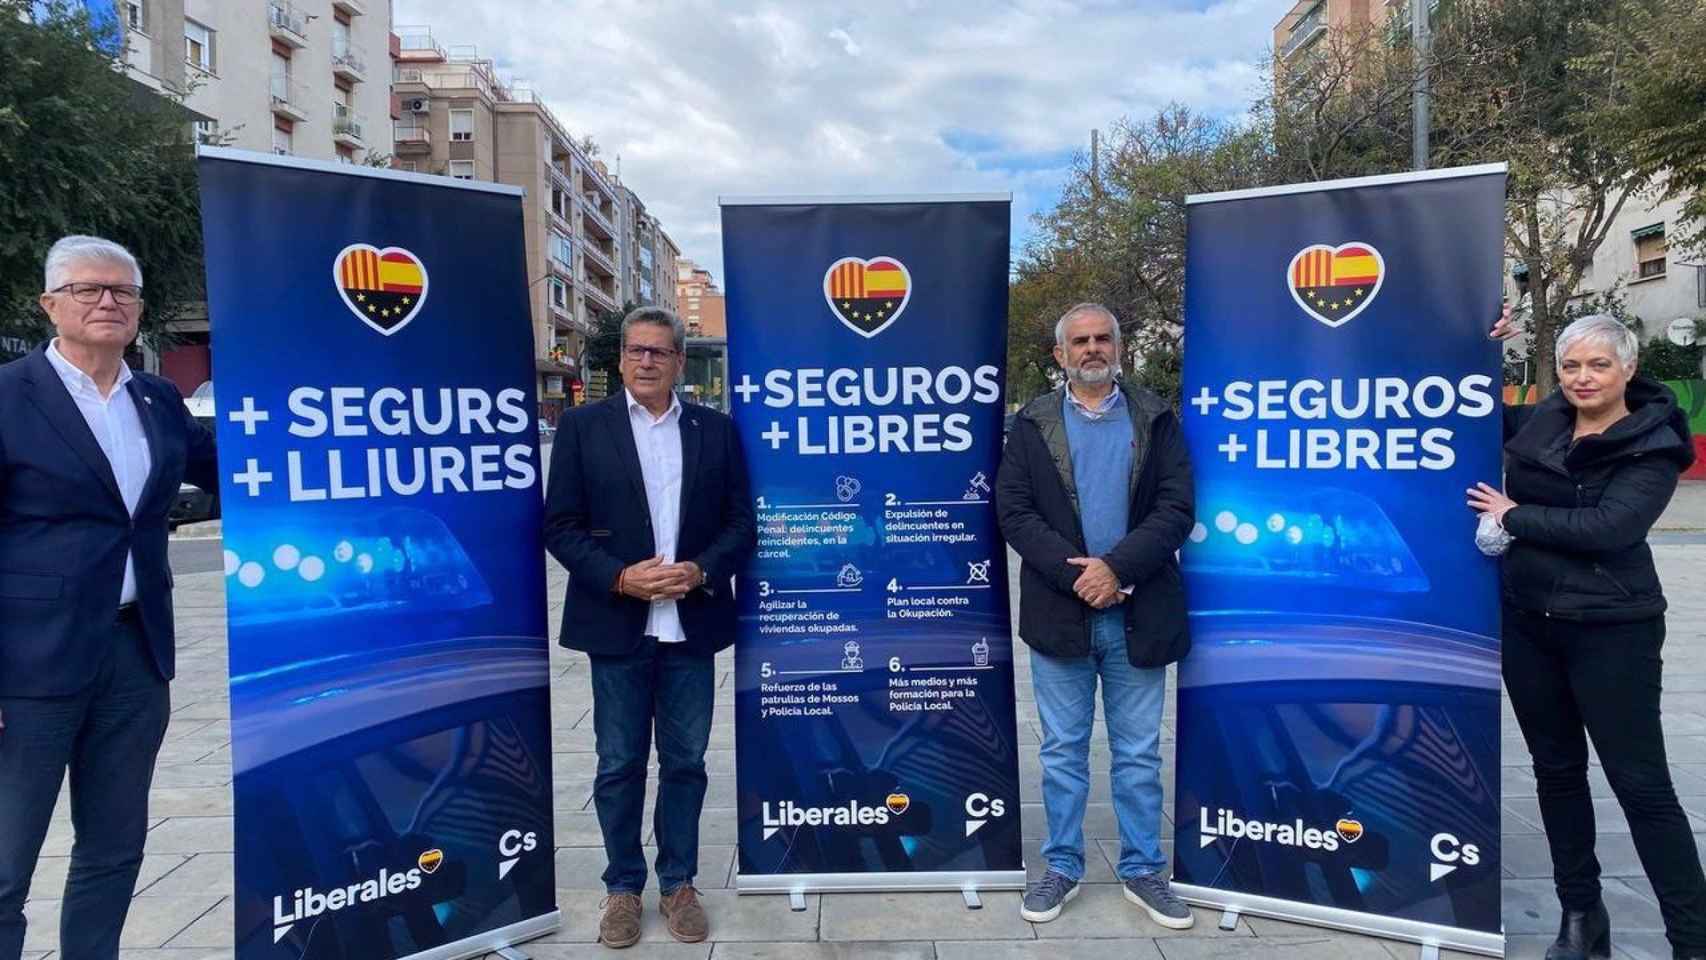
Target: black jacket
[597, 522]
[65, 532]
[1037, 505]
[1584, 509]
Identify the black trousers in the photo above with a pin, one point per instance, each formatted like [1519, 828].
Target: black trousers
[1570, 681]
[107, 736]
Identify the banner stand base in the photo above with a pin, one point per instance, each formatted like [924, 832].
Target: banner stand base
[797, 901]
[1430, 937]
[501, 941]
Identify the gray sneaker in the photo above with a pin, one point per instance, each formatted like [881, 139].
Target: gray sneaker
[1044, 898]
[1154, 894]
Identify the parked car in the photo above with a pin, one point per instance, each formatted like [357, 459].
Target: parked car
[195, 505]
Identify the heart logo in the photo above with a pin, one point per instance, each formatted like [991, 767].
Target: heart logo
[385, 288]
[898, 802]
[430, 860]
[867, 295]
[1349, 830]
[1334, 284]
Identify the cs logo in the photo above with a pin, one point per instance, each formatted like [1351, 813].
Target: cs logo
[980, 810]
[1450, 853]
[511, 846]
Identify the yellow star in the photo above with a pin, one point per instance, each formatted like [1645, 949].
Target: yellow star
[385, 313]
[361, 298]
[880, 313]
[406, 301]
[1359, 291]
[370, 308]
[845, 305]
[890, 304]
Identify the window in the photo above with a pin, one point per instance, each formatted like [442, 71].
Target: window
[462, 169]
[559, 294]
[280, 77]
[280, 139]
[1700, 286]
[340, 37]
[461, 124]
[1650, 251]
[561, 249]
[408, 166]
[198, 46]
[346, 155]
[133, 16]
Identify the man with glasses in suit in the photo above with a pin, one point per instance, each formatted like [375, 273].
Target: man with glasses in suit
[91, 457]
[647, 506]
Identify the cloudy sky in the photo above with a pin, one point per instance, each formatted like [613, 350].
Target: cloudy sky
[701, 99]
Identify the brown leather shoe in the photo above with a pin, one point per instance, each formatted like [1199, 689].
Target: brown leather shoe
[686, 917]
[620, 925]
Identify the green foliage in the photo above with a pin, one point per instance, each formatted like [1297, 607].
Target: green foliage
[86, 149]
[604, 345]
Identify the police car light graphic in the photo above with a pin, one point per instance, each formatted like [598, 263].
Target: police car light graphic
[1328, 537]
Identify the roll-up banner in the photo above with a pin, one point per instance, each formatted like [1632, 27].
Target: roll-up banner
[384, 572]
[1338, 721]
[874, 704]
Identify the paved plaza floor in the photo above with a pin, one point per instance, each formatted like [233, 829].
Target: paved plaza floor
[183, 909]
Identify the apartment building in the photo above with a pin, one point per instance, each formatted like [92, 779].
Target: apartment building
[701, 302]
[309, 78]
[665, 257]
[456, 117]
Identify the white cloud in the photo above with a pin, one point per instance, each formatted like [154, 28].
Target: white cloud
[703, 99]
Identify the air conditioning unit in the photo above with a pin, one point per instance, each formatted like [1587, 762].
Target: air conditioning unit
[418, 105]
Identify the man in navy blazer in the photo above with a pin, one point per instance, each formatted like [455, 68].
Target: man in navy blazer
[91, 456]
[648, 508]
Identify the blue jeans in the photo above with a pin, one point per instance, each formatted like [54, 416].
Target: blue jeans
[673, 691]
[1131, 703]
[107, 736]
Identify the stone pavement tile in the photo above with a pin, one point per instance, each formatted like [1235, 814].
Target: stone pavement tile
[732, 918]
[1099, 822]
[825, 951]
[1101, 910]
[1637, 946]
[1096, 866]
[581, 868]
[189, 835]
[1531, 906]
[33, 955]
[202, 873]
[920, 916]
[217, 928]
[579, 830]
[190, 802]
[669, 950]
[169, 776]
[1525, 947]
[49, 879]
[1047, 950]
[151, 923]
[1325, 946]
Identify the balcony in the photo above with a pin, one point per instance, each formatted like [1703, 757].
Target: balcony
[346, 127]
[563, 270]
[598, 261]
[1312, 25]
[597, 296]
[417, 43]
[287, 24]
[289, 99]
[409, 140]
[349, 62]
[595, 219]
[354, 8]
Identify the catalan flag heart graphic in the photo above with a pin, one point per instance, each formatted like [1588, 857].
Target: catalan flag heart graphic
[867, 295]
[1334, 284]
[385, 288]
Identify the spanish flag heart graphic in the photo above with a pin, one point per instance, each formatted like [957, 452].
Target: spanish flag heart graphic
[867, 295]
[1334, 284]
[898, 802]
[384, 288]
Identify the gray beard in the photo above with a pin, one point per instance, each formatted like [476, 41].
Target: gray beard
[1090, 377]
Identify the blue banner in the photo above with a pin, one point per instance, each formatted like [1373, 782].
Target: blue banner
[384, 567]
[1338, 720]
[874, 712]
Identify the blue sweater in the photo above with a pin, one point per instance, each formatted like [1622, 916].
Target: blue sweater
[1101, 469]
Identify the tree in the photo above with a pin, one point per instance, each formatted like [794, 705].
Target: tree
[604, 345]
[1117, 237]
[1660, 114]
[86, 149]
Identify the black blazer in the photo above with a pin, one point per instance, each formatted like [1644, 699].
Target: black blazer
[64, 530]
[597, 522]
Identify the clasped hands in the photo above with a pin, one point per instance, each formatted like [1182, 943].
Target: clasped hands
[652, 579]
[1096, 584]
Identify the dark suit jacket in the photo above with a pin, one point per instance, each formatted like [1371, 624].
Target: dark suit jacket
[597, 522]
[64, 529]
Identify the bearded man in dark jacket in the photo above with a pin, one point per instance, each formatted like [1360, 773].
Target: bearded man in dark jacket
[1095, 495]
[1588, 471]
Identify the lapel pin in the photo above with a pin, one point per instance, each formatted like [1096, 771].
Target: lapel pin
[147, 399]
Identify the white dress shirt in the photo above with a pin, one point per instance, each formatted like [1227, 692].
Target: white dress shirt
[117, 427]
[658, 440]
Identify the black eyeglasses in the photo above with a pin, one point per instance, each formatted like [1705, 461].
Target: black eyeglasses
[124, 294]
[658, 354]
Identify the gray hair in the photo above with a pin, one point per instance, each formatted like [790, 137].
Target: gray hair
[77, 248]
[657, 316]
[1604, 330]
[1074, 310]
